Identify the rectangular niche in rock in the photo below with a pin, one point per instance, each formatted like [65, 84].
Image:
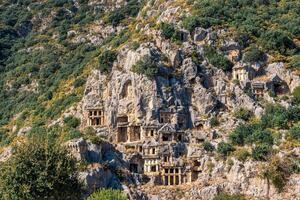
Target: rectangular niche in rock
[96, 117]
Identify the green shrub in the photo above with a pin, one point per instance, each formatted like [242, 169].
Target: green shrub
[241, 134]
[277, 40]
[192, 22]
[79, 82]
[277, 171]
[106, 60]
[107, 194]
[262, 137]
[39, 169]
[296, 95]
[294, 133]
[275, 116]
[72, 121]
[168, 30]
[227, 196]
[131, 9]
[253, 54]
[146, 66]
[242, 113]
[295, 62]
[261, 152]
[216, 59]
[73, 133]
[225, 149]
[242, 154]
[214, 122]
[208, 146]
[135, 45]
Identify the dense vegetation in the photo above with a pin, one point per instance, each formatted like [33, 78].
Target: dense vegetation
[170, 32]
[42, 69]
[39, 169]
[216, 59]
[31, 58]
[131, 9]
[272, 25]
[107, 194]
[227, 196]
[147, 66]
[263, 133]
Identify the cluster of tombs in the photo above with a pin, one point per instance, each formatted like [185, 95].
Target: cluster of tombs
[155, 150]
[159, 150]
[259, 82]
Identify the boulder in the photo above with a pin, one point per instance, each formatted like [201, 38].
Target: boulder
[200, 34]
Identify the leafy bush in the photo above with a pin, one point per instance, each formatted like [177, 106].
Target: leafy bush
[216, 59]
[253, 54]
[261, 152]
[250, 18]
[73, 133]
[296, 95]
[275, 117]
[242, 154]
[106, 60]
[146, 66]
[168, 30]
[277, 171]
[192, 22]
[214, 122]
[131, 9]
[225, 149]
[242, 113]
[208, 146]
[135, 45]
[295, 62]
[227, 196]
[294, 133]
[72, 121]
[241, 134]
[278, 40]
[107, 194]
[262, 137]
[39, 169]
[79, 82]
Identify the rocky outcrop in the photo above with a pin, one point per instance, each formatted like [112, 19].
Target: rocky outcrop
[98, 177]
[5, 154]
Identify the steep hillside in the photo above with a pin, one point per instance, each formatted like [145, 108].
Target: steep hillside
[208, 90]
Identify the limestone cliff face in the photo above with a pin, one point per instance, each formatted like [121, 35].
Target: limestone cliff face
[171, 114]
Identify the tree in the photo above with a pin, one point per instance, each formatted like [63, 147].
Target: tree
[107, 194]
[276, 172]
[39, 169]
[146, 66]
[277, 40]
[106, 60]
